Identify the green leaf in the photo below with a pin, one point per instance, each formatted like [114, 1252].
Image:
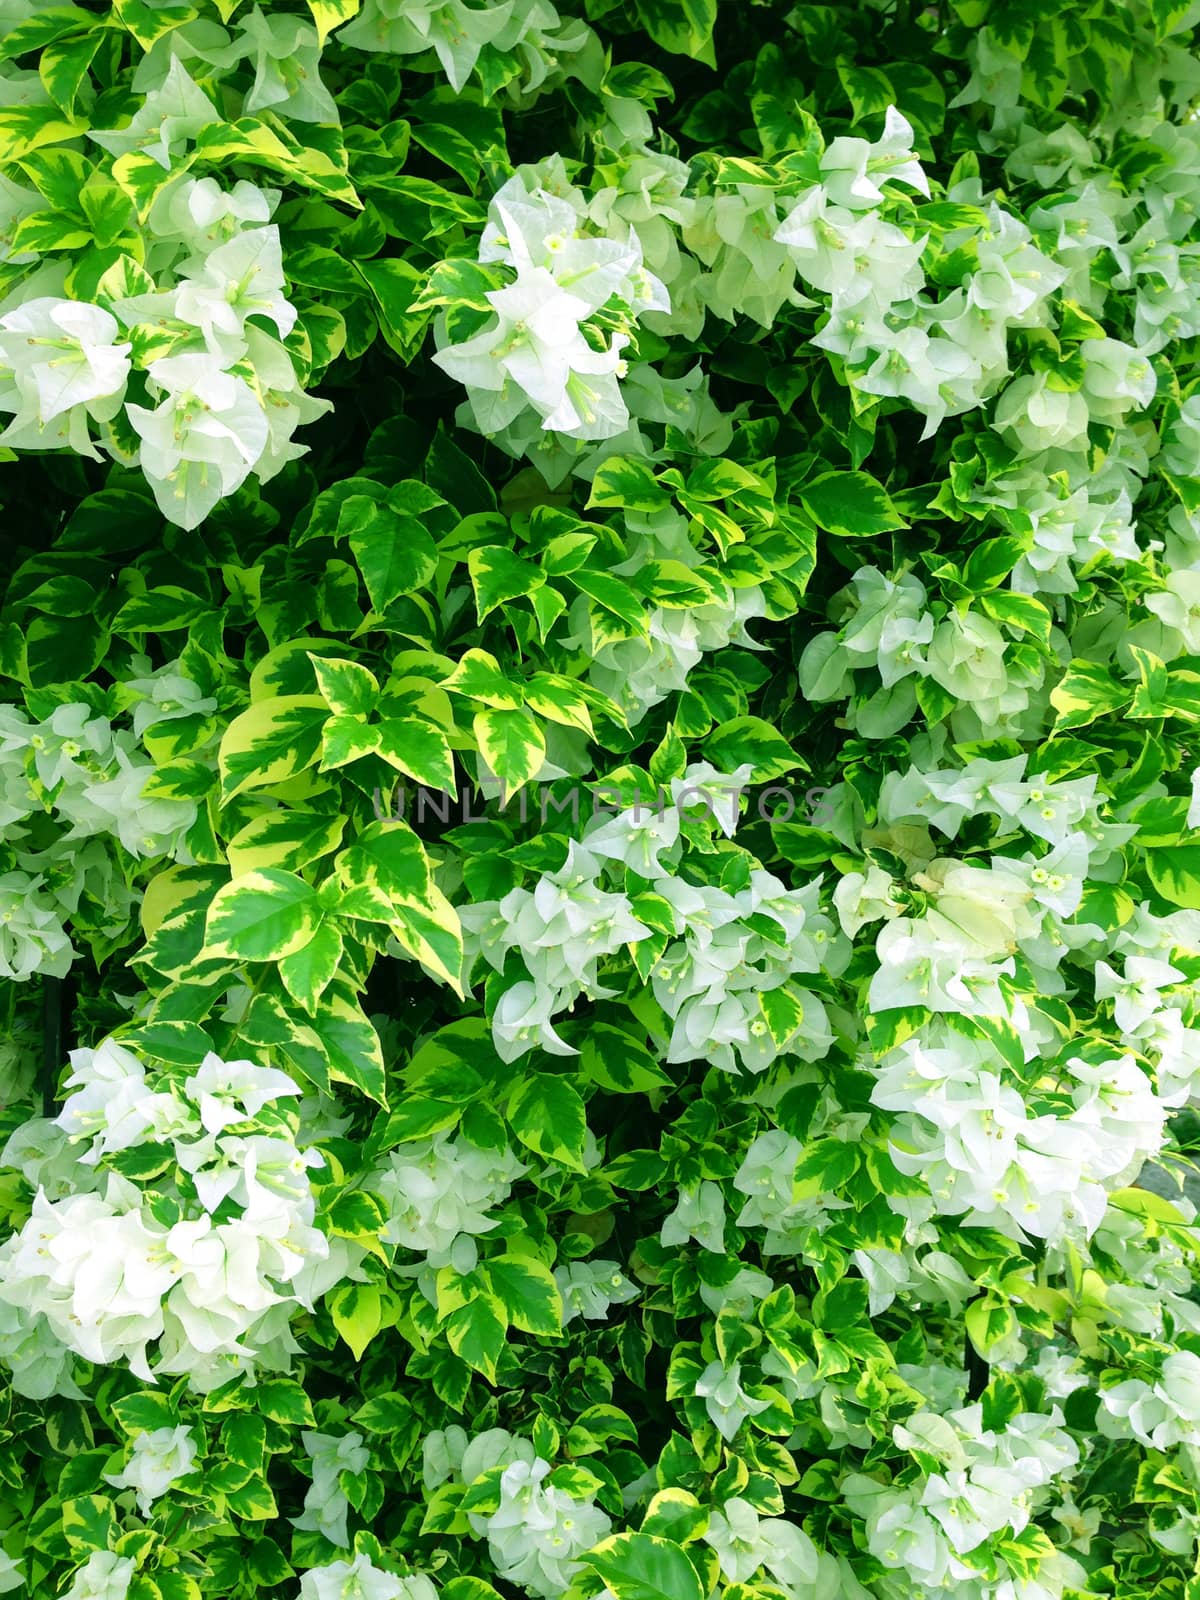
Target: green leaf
[512, 745]
[868, 90]
[180, 1044]
[271, 742]
[308, 972]
[475, 1332]
[384, 1413]
[88, 1523]
[24, 129]
[641, 1566]
[244, 1439]
[395, 554]
[346, 739]
[388, 856]
[36, 31]
[1174, 870]
[1024, 613]
[528, 1293]
[351, 1042]
[395, 285]
[629, 483]
[357, 1214]
[288, 839]
[432, 935]
[989, 1323]
[357, 1312]
[149, 22]
[498, 576]
[63, 67]
[675, 1515]
[283, 1400]
[1086, 691]
[145, 1412]
[478, 677]
[850, 504]
[328, 15]
[614, 595]
[267, 1564]
[750, 739]
[318, 163]
[615, 1060]
[349, 688]
[548, 1115]
[419, 749]
[262, 916]
[560, 700]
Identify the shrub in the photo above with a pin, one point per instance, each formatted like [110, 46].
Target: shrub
[600, 895]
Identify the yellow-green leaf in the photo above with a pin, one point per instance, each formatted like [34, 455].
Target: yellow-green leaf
[271, 742]
[262, 916]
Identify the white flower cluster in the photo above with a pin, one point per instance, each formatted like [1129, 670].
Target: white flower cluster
[1158, 1274]
[725, 978]
[746, 1543]
[107, 1271]
[439, 1193]
[537, 1530]
[590, 1288]
[92, 777]
[1161, 1414]
[525, 38]
[944, 357]
[972, 1138]
[157, 1459]
[103, 1576]
[282, 51]
[990, 1484]
[725, 1398]
[361, 1579]
[1031, 1140]
[217, 396]
[888, 631]
[545, 363]
[326, 1507]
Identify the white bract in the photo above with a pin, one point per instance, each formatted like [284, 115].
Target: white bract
[542, 351]
[156, 1461]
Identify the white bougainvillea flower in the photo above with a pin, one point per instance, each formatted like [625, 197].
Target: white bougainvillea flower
[66, 353]
[590, 1288]
[156, 1461]
[699, 1214]
[237, 280]
[32, 935]
[104, 1576]
[200, 443]
[234, 1091]
[1177, 605]
[112, 1104]
[170, 115]
[727, 1403]
[537, 1530]
[522, 1022]
[285, 54]
[199, 213]
[1038, 417]
[852, 170]
[455, 32]
[326, 1507]
[360, 1579]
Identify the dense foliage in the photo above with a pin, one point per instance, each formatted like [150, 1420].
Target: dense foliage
[600, 884]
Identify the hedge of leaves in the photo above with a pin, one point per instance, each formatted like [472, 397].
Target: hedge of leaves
[600, 883]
